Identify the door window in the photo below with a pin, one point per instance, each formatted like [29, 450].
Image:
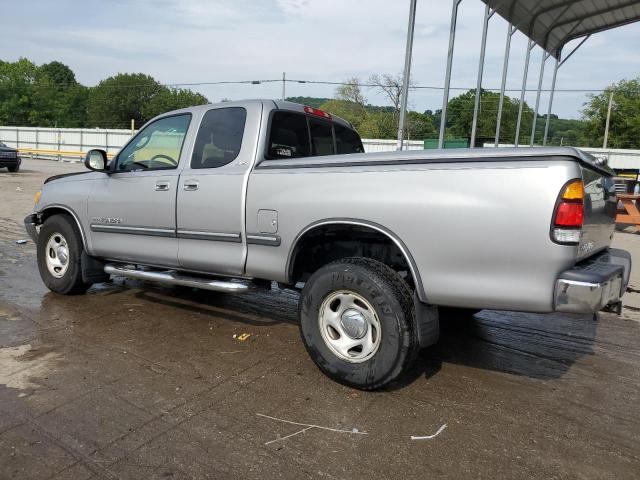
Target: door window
[219, 137]
[156, 147]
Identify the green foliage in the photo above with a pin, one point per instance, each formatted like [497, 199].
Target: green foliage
[16, 85]
[49, 95]
[624, 126]
[460, 117]
[314, 102]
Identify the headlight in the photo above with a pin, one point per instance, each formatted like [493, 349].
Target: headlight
[36, 197]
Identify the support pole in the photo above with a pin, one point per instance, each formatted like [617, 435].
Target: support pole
[545, 55]
[447, 77]
[553, 90]
[284, 80]
[522, 91]
[553, 85]
[606, 125]
[406, 74]
[505, 66]
[476, 107]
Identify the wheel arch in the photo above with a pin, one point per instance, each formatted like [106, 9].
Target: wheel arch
[298, 243]
[56, 209]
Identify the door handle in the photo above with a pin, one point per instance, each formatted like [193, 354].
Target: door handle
[191, 185]
[162, 186]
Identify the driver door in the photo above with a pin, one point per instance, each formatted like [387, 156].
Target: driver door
[132, 210]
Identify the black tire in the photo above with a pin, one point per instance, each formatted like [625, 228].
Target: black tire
[71, 281]
[390, 297]
[14, 168]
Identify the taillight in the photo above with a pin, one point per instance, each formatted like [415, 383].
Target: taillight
[569, 214]
[317, 112]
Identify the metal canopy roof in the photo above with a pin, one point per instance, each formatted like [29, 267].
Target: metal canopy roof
[553, 23]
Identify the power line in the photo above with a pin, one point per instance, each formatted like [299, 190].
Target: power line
[336, 83]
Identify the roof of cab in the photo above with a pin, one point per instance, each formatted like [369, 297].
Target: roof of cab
[277, 104]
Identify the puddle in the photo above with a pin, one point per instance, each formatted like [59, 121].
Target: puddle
[19, 371]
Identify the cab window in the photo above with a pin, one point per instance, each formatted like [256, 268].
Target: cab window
[289, 136]
[219, 137]
[347, 140]
[155, 147]
[321, 137]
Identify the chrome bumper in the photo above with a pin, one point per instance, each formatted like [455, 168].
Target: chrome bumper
[594, 283]
[30, 225]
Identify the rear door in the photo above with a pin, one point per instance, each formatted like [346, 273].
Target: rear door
[211, 192]
[132, 210]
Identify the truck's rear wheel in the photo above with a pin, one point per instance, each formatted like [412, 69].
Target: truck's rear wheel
[356, 321]
[59, 251]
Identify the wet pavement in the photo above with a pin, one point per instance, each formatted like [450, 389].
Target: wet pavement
[134, 381]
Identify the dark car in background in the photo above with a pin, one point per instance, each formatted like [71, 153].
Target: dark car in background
[9, 158]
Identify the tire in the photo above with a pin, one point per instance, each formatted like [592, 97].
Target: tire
[360, 285]
[14, 168]
[58, 235]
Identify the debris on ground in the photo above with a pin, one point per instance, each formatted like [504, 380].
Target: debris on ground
[21, 242]
[429, 437]
[307, 426]
[242, 337]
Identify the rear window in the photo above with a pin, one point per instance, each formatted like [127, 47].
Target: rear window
[296, 135]
[321, 137]
[219, 137]
[347, 141]
[289, 136]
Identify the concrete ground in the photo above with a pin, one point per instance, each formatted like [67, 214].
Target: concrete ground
[141, 383]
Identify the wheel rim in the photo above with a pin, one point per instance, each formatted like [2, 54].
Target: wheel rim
[57, 255]
[349, 326]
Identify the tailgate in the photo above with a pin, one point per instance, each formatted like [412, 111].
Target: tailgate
[600, 205]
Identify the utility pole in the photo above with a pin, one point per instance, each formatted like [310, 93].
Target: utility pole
[284, 79]
[606, 124]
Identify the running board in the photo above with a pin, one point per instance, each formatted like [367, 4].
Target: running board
[170, 277]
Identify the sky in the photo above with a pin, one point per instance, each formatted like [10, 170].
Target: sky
[192, 41]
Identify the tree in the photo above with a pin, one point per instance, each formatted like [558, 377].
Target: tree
[16, 91]
[58, 99]
[391, 86]
[624, 126]
[460, 117]
[118, 99]
[168, 99]
[115, 101]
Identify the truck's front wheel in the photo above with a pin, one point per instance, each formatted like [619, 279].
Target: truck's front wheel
[356, 321]
[59, 250]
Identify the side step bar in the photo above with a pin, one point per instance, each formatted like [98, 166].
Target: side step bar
[170, 277]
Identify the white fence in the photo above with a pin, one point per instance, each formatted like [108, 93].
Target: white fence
[617, 158]
[83, 139]
[111, 140]
[64, 139]
[379, 145]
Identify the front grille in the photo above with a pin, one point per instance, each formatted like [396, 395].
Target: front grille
[8, 154]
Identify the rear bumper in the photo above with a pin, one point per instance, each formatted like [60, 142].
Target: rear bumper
[30, 224]
[593, 283]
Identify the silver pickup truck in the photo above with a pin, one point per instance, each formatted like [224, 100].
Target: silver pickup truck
[234, 196]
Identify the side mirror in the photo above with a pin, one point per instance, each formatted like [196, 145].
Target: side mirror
[96, 160]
